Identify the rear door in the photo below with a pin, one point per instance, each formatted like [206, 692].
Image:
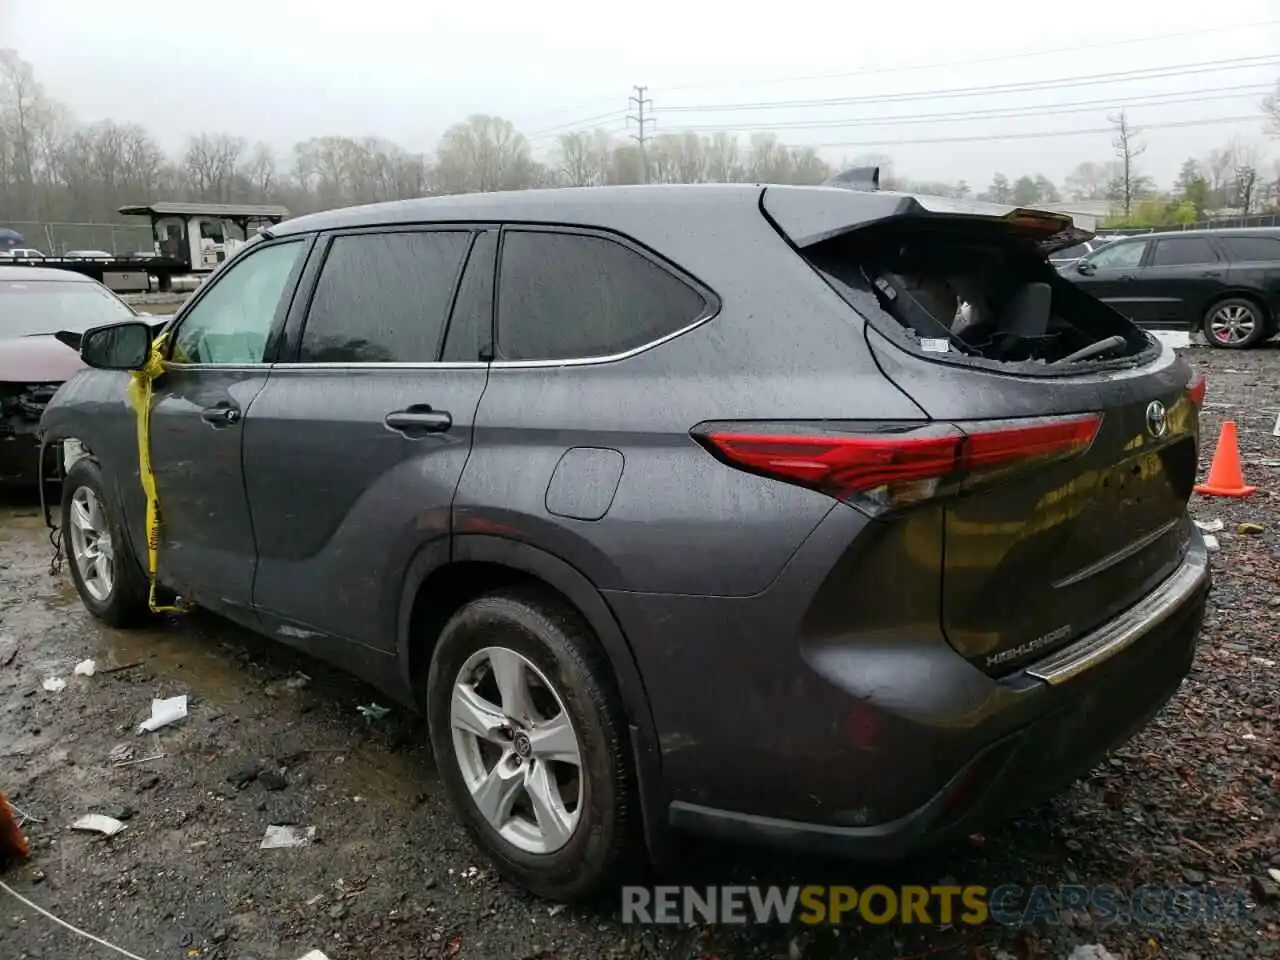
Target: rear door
[1183, 275]
[358, 443]
[1113, 275]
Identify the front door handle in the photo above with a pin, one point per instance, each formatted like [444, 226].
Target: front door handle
[419, 419]
[221, 415]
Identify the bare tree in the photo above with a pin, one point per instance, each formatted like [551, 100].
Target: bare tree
[484, 153]
[211, 162]
[260, 171]
[1128, 183]
[807, 167]
[768, 160]
[723, 162]
[1245, 157]
[1271, 108]
[1089, 180]
[577, 160]
[1218, 165]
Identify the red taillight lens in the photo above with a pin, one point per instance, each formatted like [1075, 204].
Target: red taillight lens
[894, 469]
[1196, 390]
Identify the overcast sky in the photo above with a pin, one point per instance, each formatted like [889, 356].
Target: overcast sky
[285, 70]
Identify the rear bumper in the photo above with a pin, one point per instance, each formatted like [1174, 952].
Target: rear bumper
[924, 736]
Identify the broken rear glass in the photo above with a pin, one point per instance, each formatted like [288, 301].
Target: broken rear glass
[972, 289]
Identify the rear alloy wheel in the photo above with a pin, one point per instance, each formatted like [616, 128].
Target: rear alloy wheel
[529, 740]
[519, 756]
[1235, 324]
[106, 575]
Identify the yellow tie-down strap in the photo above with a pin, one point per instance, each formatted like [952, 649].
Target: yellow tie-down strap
[139, 394]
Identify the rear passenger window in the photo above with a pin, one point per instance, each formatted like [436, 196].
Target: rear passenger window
[471, 326]
[1252, 248]
[1183, 250]
[568, 296]
[383, 297]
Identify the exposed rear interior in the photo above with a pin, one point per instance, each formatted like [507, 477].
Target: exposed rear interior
[975, 290]
[1044, 489]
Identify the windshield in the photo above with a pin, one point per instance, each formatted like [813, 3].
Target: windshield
[47, 306]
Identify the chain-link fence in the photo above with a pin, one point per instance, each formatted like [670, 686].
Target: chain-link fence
[1257, 220]
[56, 239]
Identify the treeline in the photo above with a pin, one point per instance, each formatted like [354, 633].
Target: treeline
[55, 169]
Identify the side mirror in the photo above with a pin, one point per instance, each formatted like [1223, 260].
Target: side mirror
[1085, 268]
[117, 346]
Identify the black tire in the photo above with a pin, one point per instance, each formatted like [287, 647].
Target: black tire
[554, 638]
[1256, 315]
[125, 604]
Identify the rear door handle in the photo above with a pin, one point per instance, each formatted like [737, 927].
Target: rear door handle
[419, 419]
[1126, 276]
[221, 415]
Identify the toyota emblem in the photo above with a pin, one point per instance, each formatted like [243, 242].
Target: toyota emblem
[1157, 419]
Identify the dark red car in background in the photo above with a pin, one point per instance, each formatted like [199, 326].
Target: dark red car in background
[35, 304]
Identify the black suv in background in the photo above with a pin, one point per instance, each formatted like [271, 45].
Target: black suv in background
[1224, 282]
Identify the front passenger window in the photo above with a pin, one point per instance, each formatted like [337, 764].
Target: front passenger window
[1120, 256]
[232, 322]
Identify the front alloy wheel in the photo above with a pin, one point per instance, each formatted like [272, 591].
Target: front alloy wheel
[108, 578]
[517, 750]
[91, 548]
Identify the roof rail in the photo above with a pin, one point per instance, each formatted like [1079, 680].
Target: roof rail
[857, 178]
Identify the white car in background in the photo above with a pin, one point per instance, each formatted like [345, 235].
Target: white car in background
[22, 253]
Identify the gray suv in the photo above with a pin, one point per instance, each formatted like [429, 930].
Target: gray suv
[825, 517]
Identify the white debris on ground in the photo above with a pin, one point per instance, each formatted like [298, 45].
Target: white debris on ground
[97, 823]
[1092, 951]
[282, 837]
[164, 712]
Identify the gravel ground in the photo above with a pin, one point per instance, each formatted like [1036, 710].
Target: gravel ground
[274, 738]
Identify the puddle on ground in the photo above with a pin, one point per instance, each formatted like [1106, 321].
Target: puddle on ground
[225, 668]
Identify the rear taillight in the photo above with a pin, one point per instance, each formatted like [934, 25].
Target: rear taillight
[1196, 389]
[896, 466]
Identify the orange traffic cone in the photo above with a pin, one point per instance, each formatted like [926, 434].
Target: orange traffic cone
[12, 842]
[1226, 478]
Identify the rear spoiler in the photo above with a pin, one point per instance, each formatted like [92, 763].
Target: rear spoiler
[852, 200]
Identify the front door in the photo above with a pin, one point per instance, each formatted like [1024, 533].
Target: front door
[356, 445]
[1113, 275]
[218, 363]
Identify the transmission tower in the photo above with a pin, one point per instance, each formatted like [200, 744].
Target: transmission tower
[643, 122]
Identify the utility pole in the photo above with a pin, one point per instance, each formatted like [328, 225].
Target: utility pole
[641, 102]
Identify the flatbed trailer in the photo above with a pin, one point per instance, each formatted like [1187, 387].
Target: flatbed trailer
[191, 240]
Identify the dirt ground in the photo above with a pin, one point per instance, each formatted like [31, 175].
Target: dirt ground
[274, 738]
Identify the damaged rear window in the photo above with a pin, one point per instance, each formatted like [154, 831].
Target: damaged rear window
[976, 291]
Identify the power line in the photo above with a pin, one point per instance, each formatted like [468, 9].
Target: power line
[1040, 135]
[974, 61]
[1000, 113]
[565, 127]
[901, 68]
[640, 101]
[1209, 66]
